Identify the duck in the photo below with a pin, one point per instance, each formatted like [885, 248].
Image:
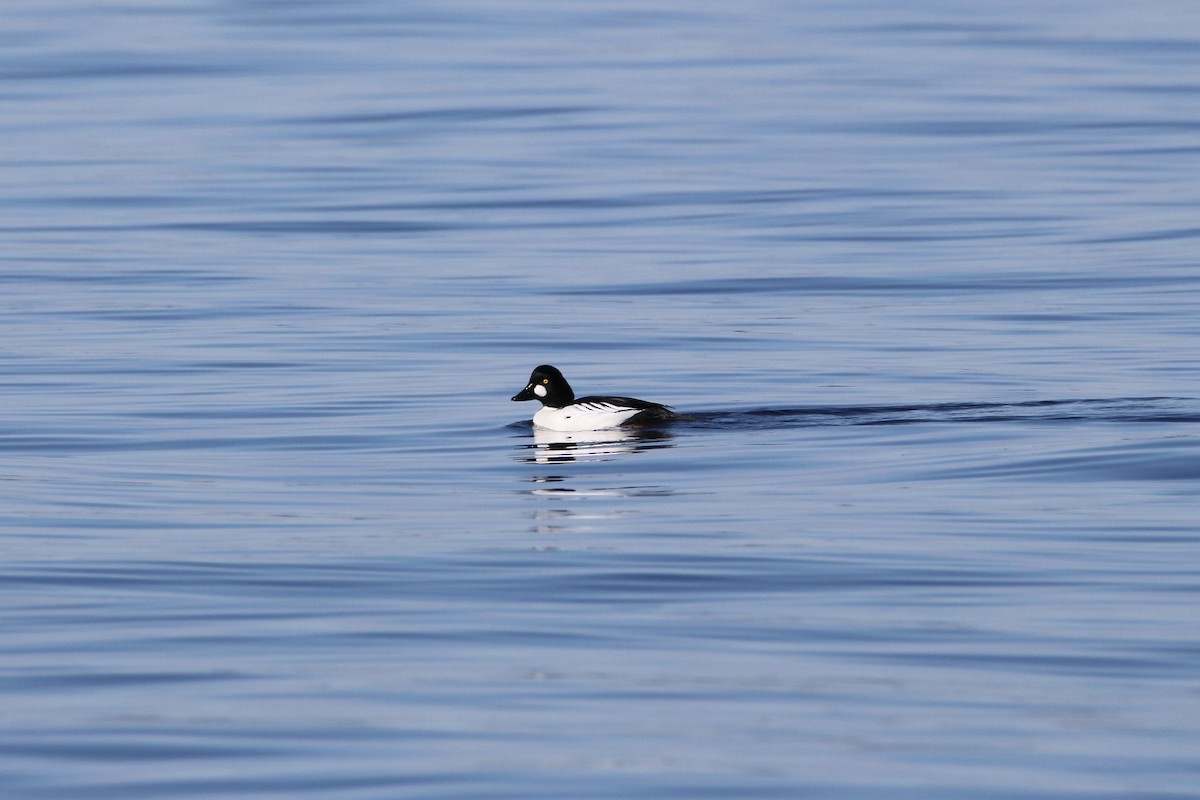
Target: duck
[562, 411]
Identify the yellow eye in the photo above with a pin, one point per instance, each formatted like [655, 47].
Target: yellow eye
[545, 381]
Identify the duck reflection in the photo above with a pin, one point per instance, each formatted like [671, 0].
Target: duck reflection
[558, 447]
[599, 507]
[603, 503]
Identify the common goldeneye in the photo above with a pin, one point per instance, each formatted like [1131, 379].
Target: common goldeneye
[562, 411]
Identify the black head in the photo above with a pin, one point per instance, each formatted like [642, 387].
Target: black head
[548, 385]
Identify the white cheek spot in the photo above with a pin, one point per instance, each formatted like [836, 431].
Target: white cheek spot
[539, 390]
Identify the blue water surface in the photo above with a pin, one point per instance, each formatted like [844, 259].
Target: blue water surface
[923, 279]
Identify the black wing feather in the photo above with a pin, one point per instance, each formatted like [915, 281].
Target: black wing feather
[649, 412]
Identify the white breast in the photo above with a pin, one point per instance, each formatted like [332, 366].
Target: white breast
[583, 417]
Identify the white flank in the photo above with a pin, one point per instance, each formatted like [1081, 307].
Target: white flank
[583, 417]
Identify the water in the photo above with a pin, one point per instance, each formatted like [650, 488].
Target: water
[923, 277]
